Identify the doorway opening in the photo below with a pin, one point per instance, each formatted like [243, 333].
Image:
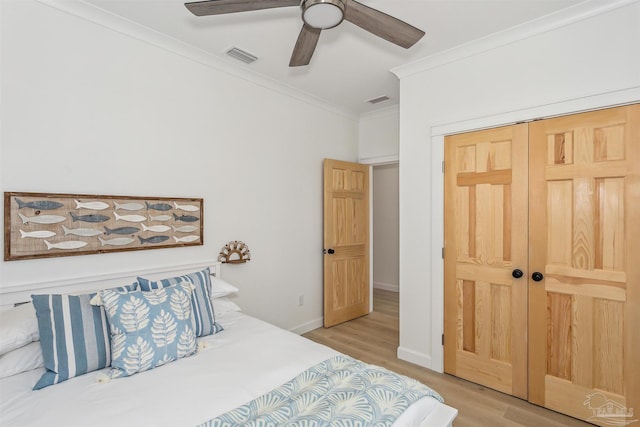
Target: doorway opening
[385, 234]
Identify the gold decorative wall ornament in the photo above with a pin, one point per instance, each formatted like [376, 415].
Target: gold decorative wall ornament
[235, 252]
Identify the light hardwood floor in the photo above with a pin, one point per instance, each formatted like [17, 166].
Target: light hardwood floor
[374, 339]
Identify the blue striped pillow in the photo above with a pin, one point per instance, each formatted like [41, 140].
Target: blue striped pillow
[203, 315]
[74, 336]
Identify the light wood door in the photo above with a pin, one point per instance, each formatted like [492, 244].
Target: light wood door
[584, 315]
[485, 240]
[346, 241]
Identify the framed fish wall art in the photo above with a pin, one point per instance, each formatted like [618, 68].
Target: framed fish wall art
[40, 225]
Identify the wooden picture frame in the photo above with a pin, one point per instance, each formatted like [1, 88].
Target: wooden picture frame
[43, 225]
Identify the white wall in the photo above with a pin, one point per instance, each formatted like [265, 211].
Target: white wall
[385, 227]
[379, 137]
[573, 61]
[86, 109]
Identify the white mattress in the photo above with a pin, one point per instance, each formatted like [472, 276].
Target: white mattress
[247, 359]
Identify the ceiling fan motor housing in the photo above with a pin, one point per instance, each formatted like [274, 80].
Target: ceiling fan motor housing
[322, 14]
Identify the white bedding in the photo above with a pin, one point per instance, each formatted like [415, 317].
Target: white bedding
[247, 359]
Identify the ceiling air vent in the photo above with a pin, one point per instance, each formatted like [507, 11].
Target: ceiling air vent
[378, 99]
[241, 55]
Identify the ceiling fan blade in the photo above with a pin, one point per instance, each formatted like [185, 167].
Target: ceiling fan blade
[382, 25]
[306, 44]
[220, 7]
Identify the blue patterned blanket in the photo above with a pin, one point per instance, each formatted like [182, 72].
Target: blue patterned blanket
[340, 391]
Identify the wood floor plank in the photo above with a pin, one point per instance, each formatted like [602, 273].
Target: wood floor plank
[374, 339]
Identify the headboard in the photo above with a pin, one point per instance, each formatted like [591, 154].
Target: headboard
[10, 295]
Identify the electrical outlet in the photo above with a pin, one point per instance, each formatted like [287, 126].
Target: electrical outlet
[300, 300]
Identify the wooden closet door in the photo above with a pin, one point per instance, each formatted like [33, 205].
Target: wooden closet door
[485, 321]
[346, 241]
[584, 315]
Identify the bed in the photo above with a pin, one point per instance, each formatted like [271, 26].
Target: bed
[231, 370]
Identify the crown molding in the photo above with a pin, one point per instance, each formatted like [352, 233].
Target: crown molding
[382, 112]
[559, 19]
[111, 21]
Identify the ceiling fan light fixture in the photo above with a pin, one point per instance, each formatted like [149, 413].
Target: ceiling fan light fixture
[322, 14]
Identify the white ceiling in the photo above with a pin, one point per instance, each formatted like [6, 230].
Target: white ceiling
[349, 65]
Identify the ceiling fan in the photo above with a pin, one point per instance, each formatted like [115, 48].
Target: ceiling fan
[318, 15]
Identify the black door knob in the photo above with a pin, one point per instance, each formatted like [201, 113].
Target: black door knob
[537, 276]
[517, 273]
[331, 251]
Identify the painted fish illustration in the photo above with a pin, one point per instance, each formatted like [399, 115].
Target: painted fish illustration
[89, 218]
[159, 218]
[121, 230]
[130, 218]
[156, 228]
[43, 205]
[191, 238]
[158, 206]
[86, 232]
[154, 239]
[188, 208]
[96, 206]
[118, 241]
[186, 218]
[69, 244]
[128, 206]
[185, 228]
[41, 234]
[42, 219]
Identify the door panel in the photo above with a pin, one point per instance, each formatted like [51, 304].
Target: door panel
[346, 232]
[485, 239]
[584, 353]
[576, 221]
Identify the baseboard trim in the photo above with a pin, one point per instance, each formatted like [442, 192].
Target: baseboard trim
[386, 286]
[308, 326]
[414, 357]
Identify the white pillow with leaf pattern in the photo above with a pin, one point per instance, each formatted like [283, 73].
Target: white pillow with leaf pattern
[149, 329]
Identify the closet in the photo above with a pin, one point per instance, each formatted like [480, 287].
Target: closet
[542, 262]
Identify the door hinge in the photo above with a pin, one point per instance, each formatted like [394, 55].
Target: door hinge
[443, 253]
[442, 339]
[443, 166]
